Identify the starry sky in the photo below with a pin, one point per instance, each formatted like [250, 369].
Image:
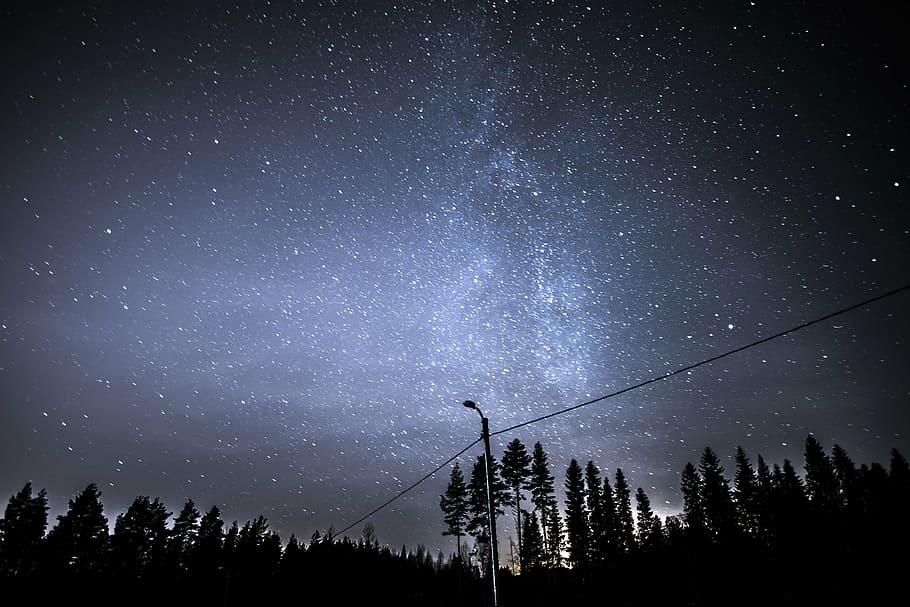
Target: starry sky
[258, 254]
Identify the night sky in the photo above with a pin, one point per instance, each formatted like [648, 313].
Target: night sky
[257, 255]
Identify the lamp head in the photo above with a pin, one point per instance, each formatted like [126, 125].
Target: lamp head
[470, 404]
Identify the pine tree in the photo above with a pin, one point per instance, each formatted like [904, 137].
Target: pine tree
[720, 517]
[532, 555]
[541, 481]
[610, 542]
[516, 471]
[540, 484]
[577, 530]
[845, 471]
[229, 547]
[789, 506]
[206, 556]
[650, 529]
[258, 550]
[764, 488]
[291, 558]
[821, 482]
[746, 494]
[594, 501]
[693, 506]
[554, 534]
[22, 532]
[454, 505]
[139, 542]
[478, 525]
[182, 536]
[625, 525]
[79, 541]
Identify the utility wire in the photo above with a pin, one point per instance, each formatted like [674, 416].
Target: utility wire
[425, 477]
[707, 360]
[635, 387]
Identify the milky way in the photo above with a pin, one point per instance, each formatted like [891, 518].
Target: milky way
[258, 256]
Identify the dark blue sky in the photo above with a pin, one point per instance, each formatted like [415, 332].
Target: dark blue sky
[258, 255]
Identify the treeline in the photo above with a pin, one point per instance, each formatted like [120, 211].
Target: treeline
[838, 535]
[770, 536]
[199, 560]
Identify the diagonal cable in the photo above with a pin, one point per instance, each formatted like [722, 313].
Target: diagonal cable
[707, 360]
[401, 493]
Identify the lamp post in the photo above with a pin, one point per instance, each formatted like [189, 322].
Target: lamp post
[491, 515]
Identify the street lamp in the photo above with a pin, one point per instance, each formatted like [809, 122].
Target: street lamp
[491, 516]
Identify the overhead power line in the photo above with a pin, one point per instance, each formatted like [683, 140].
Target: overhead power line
[706, 361]
[401, 493]
[635, 387]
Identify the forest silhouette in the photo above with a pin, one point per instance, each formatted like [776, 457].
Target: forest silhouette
[768, 536]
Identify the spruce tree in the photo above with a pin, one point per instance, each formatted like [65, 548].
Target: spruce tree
[454, 505]
[650, 529]
[610, 543]
[625, 525]
[533, 548]
[790, 506]
[541, 486]
[594, 501]
[478, 525]
[821, 482]
[577, 532]
[746, 494]
[719, 513]
[845, 471]
[764, 495]
[693, 506]
[554, 534]
[516, 471]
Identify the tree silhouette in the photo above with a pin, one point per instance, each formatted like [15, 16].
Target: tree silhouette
[533, 548]
[140, 537]
[541, 486]
[764, 488]
[255, 558]
[790, 507]
[22, 532]
[650, 528]
[478, 524]
[477, 495]
[291, 558]
[78, 543]
[554, 539]
[625, 525]
[746, 495]
[206, 558]
[801, 557]
[577, 531]
[454, 505]
[594, 501]
[516, 471]
[822, 487]
[719, 513]
[845, 471]
[693, 505]
[609, 546]
[182, 536]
